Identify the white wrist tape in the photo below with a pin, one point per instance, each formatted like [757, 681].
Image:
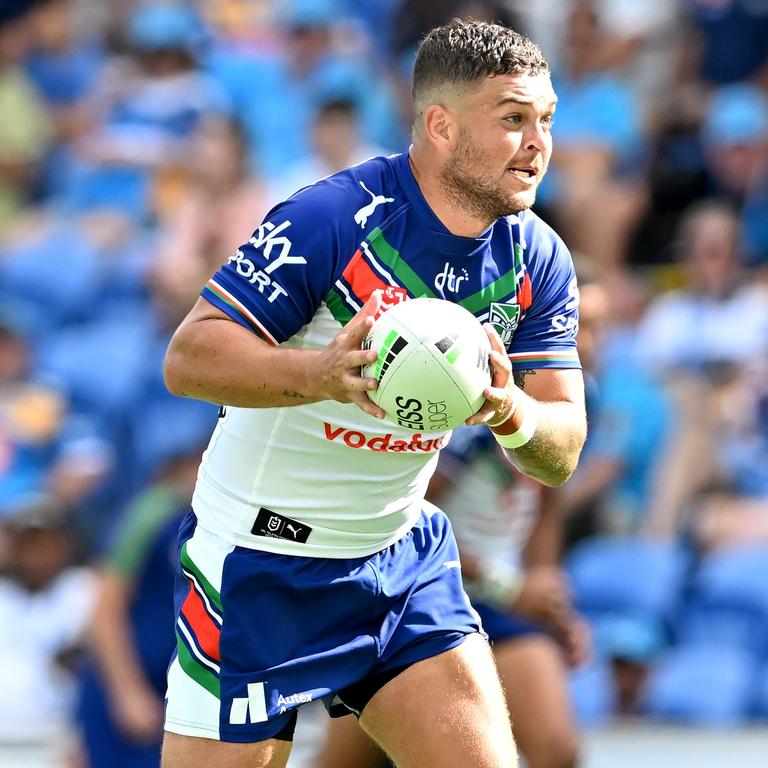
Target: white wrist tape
[524, 433]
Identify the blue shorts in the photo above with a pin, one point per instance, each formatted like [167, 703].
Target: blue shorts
[500, 626]
[259, 634]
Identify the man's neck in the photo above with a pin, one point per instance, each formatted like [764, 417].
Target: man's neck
[455, 219]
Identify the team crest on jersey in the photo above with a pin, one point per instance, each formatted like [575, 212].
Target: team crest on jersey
[504, 318]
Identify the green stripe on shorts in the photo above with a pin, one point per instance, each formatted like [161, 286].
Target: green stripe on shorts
[210, 592]
[192, 667]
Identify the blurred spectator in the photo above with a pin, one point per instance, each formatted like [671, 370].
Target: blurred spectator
[44, 604]
[412, 19]
[719, 319]
[65, 64]
[150, 108]
[45, 448]
[735, 137]
[728, 41]
[629, 413]
[276, 92]
[595, 190]
[336, 144]
[24, 125]
[702, 339]
[131, 634]
[205, 214]
[640, 38]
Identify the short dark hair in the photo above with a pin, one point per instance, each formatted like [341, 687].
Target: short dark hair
[462, 52]
[338, 107]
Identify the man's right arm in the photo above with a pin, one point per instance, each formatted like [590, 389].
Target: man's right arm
[211, 357]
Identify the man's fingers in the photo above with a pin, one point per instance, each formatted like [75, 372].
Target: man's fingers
[500, 361]
[357, 329]
[362, 401]
[361, 357]
[496, 343]
[494, 398]
[355, 383]
[366, 314]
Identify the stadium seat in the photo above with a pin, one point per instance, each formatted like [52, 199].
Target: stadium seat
[168, 427]
[98, 363]
[626, 576]
[703, 685]
[728, 601]
[761, 694]
[55, 275]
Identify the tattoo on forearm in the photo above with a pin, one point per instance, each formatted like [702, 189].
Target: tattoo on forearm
[519, 377]
[289, 393]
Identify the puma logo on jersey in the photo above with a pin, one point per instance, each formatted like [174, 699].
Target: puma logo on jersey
[361, 217]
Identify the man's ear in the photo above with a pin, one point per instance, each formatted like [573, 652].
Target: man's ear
[439, 125]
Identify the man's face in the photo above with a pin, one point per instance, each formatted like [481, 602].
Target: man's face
[502, 147]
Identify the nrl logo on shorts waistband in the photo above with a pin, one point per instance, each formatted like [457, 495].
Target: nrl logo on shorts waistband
[504, 318]
[274, 526]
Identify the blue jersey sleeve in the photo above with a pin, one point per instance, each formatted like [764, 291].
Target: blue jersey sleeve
[546, 336]
[275, 282]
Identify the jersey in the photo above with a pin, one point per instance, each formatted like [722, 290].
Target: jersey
[326, 479]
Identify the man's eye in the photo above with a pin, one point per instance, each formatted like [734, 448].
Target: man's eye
[548, 120]
[515, 119]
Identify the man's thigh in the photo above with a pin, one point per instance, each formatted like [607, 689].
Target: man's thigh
[193, 752]
[445, 710]
[534, 677]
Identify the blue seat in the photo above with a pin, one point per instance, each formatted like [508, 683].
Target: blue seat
[704, 685]
[728, 601]
[55, 275]
[761, 694]
[168, 427]
[626, 576]
[99, 363]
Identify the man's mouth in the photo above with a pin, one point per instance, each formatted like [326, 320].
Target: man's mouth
[524, 172]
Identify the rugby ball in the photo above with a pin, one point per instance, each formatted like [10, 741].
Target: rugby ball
[432, 365]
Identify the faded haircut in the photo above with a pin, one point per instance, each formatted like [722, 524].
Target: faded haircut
[463, 52]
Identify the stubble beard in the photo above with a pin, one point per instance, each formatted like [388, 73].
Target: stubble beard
[470, 190]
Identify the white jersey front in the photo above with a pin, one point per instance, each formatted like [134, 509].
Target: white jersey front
[326, 479]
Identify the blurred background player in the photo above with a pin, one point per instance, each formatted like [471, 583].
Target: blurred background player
[510, 540]
[510, 532]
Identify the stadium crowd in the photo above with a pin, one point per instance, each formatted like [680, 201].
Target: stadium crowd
[142, 142]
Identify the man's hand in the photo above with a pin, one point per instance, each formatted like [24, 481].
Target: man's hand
[339, 364]
[575, 639]
[500, 397]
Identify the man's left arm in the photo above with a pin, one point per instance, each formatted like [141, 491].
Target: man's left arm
[538, 416]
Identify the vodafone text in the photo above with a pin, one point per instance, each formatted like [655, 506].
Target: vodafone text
[354, 439]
